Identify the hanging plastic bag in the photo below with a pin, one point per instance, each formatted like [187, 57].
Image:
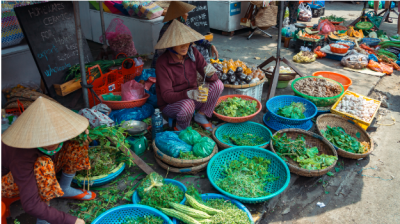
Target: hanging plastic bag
[136, 113]
[120, 38]
[325, 27]
[132, 90]
[305, 14]
[190, 136]
[203, 148]
[169, 143]
[149, 182]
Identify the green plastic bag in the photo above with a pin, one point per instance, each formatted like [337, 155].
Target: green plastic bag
[111, 97]
[190, 136]
[371, 4]
[204, 148]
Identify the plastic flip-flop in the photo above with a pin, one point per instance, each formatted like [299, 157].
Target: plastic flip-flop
[208, 126]
[81, 196]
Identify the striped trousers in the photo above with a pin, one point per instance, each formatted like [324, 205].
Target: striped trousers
[183, 110]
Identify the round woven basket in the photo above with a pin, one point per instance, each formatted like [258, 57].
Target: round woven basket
[246, 85]
[240, 128]
[324, 147]
[185, 170]
[117, 105]
[182, 162]
[237, 119]
[350, 128]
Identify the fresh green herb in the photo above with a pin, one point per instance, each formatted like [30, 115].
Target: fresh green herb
[102, 133]
[16, 221]
[147, 121]
[339, 137]
[200, 130]
[294, 111]
[236, 107]
[148, 219]
[188, 156]
[245, 139]
[246, 177]
[333, 18]
[192, 191]
[307, 158]
[330, 174]
[231, 213]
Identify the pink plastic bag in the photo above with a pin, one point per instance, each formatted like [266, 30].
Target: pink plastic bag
[132, 90]
[120, 38]
[325, 27]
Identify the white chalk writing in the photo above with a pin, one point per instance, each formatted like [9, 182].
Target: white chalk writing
[44, 10]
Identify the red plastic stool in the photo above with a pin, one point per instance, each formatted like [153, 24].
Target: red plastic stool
[3, 211]
[5, 207]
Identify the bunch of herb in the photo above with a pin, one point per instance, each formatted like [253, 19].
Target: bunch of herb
[188, 156]
[147, 121]
[236, 107]
[245, 139]
[231, 213]
[294, 111]
[200, 130]
[246, 177]
[333, 18]
[192, 191]
[147, 219]
[102, 133]
[339, 137]
[307, 158]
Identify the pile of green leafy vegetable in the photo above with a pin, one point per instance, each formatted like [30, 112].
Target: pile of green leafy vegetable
[333, 18]
[246, 177]
[154, 192]
[236, 107]
[339, 137]
[102, 133]
[244, 139]
[188, 156]
[231, 213]
[294, 111]
[148, 219]
[307, 158]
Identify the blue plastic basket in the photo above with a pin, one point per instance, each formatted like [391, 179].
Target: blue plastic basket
[210, 196]
[348, 43]
[276, 125]
[136, 199]
[241, 128]
[102, 181]
[117, 215]
[370, 41]
[277, 102]
[277, 168]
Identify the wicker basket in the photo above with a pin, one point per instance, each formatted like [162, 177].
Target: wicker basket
[185, 170]
[237, 119]
[117, 105]
[182, 162]
[246, 85]
[312, 140]
[350, 128]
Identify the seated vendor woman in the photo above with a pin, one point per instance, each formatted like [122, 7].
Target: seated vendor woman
[176, 70]
[37, 146]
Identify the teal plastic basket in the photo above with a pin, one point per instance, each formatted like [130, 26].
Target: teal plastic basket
[242, 128]
[277, 168]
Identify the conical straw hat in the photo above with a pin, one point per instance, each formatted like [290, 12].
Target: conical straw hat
[177, 9]
[178, 34]
[44, 123]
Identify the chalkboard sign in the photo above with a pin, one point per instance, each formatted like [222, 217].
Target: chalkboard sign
[198, 17]
[49, 29]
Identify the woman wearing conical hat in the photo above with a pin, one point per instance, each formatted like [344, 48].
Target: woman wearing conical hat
[34, 148]
[179, 11]
[177, 91]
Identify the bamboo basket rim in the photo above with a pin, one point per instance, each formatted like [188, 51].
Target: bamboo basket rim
[245, 86]
[342, 152]
[183, 162]
[191, 170]
[296, 168]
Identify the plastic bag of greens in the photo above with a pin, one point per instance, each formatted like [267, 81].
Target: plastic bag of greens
[111, 97]
[204, 148]
[152, 180]
[190, 136]
[169, 143]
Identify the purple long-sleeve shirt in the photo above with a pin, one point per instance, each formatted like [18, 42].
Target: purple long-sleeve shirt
[20, 162]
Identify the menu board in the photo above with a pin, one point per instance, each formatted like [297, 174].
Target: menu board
[49, 29]
[198, 17]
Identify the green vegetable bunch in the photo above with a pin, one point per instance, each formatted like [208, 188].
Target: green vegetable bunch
[236, 107]
[339, 137]
[307, 158]
[147, 219]
[246, 177]
[333, 18]
[101, 133]
[188, 156]
[294, 111]
[245, 139]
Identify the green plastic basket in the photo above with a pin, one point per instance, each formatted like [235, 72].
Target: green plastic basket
[318, 101]
[278, 168]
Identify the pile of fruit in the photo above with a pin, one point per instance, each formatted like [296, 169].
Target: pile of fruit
[306, 35]
[236, 72]
[304, 57]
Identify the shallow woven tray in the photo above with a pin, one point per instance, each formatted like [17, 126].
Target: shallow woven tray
[282, 76]
[324, 147]
[245, 86]
[185, 170]
[334, 120]
[182, 162]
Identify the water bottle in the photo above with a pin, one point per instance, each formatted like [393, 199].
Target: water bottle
[156, 123]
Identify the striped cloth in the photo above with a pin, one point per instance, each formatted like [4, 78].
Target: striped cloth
[183, 110]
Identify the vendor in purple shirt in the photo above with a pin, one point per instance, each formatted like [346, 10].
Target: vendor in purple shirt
[37, 146]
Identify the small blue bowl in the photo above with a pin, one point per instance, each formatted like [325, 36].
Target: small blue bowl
[276, 125]
[136, 199]
[104, 180]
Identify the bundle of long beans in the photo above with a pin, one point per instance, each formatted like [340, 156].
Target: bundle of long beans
[75, 71]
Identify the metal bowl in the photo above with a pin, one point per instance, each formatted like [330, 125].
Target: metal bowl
[134, 127]
[300, 25]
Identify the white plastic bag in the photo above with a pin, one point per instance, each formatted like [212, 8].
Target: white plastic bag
[355, 60]
[305, 13]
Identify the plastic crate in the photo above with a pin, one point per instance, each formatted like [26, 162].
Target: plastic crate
[310, 44]
[107, 83]
[361, 123]
[131, 72]
[16, 111]
[255, 91]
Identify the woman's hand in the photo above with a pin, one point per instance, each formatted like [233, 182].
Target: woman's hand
[214, 51]
[79, 221]
[88, 140]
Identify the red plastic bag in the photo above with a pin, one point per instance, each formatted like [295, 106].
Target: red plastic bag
[325, 27]
[387, 69]
[374, 66]
[132, 90]
[120, 38]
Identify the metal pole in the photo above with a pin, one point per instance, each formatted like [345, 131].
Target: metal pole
[103, 29]
[278, 55]
[79, 39]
